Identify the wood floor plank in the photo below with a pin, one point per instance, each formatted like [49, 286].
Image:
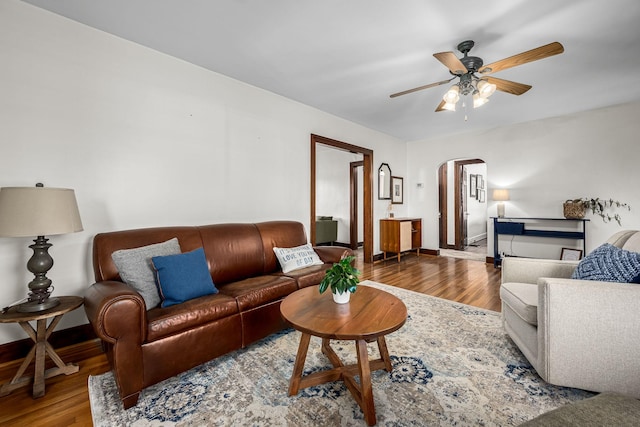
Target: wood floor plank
[66, 399]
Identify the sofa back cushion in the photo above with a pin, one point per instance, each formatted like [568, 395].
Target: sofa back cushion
[281, 234]
[633, 243]
[104, 244]
[234, 251]
[620, 238]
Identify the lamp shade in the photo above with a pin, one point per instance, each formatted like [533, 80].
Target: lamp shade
[38, 211]
[500, 195]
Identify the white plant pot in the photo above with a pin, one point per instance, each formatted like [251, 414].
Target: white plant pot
[342, 298]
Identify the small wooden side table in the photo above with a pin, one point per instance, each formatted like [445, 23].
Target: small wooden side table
[41, 348]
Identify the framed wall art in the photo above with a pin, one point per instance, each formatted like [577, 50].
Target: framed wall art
[571, 254]
[397, 190]
[473, 185]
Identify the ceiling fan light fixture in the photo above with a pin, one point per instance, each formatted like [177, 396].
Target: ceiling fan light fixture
[452, 96]
[478, 101]
[485, 88]
[449, 106]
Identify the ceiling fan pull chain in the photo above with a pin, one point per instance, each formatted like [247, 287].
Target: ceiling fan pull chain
[464, 105]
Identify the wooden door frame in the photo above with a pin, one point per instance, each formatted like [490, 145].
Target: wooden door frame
[443, 211]
[458, 165]
[367, 163]
[458, 170]
[353, 202]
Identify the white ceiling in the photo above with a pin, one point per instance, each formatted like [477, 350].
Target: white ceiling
[346, 57]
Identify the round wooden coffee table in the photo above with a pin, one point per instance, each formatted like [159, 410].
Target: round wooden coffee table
[369, 316]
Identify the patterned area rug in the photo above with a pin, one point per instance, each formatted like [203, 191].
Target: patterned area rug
[452, 365]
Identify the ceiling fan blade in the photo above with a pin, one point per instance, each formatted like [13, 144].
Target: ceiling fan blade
[508, 86]
[541, 52]
[415, 89]
[451, 61]
[439, 108]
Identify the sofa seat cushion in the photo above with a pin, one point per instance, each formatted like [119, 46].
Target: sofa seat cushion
[309, 276]
[523, 300]
[162, 322]
[256, 291]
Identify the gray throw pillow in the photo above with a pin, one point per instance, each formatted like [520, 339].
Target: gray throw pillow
[136, 269]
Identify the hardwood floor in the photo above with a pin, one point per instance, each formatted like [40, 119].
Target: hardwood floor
[66, 402]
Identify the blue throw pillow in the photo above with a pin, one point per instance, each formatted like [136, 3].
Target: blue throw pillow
[183, 277]
[610, 264]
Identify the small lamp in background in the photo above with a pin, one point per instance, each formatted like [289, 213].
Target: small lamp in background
[500, 195]
[38, 211]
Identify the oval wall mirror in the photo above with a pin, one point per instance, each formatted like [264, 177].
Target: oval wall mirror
[384, 182]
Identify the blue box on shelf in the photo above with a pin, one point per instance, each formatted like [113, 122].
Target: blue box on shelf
[510, 227]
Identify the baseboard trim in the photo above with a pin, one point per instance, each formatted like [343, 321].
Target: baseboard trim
[18, 349]
[434, 252]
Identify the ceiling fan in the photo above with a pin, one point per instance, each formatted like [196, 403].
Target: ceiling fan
[481, 88]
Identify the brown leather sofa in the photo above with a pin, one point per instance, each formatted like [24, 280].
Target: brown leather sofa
[145, 347]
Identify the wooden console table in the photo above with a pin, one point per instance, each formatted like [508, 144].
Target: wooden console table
[518, 227]
[41, 348]
[398, 235]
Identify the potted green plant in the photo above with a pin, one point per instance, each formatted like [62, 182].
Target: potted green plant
[576, 208]
[342, 277]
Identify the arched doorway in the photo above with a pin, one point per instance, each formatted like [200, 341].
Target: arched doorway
[462, 204]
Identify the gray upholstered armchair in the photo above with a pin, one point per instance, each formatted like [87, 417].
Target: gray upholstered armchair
[575, 333]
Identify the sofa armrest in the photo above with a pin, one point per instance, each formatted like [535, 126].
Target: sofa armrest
[116, 312]
[118, 316]
[331, 254]
[529, 270]
[588, 334]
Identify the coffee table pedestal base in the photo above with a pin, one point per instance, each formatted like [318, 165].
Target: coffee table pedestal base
[363, 392]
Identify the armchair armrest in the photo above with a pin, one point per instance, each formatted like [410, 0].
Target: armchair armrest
[588, 334]
[116, 312]
[331, 254]
[529, 270]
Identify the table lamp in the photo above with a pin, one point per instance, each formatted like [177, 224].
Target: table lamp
[500, 195]
[38, 211]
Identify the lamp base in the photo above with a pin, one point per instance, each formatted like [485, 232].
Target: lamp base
[36, 306]
[500, 210]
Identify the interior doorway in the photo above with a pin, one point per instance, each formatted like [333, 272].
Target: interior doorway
[355, 204]
[367, 191]
[462, 205]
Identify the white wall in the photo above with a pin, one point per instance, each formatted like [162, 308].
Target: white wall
[145, 140]
[542, 163]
